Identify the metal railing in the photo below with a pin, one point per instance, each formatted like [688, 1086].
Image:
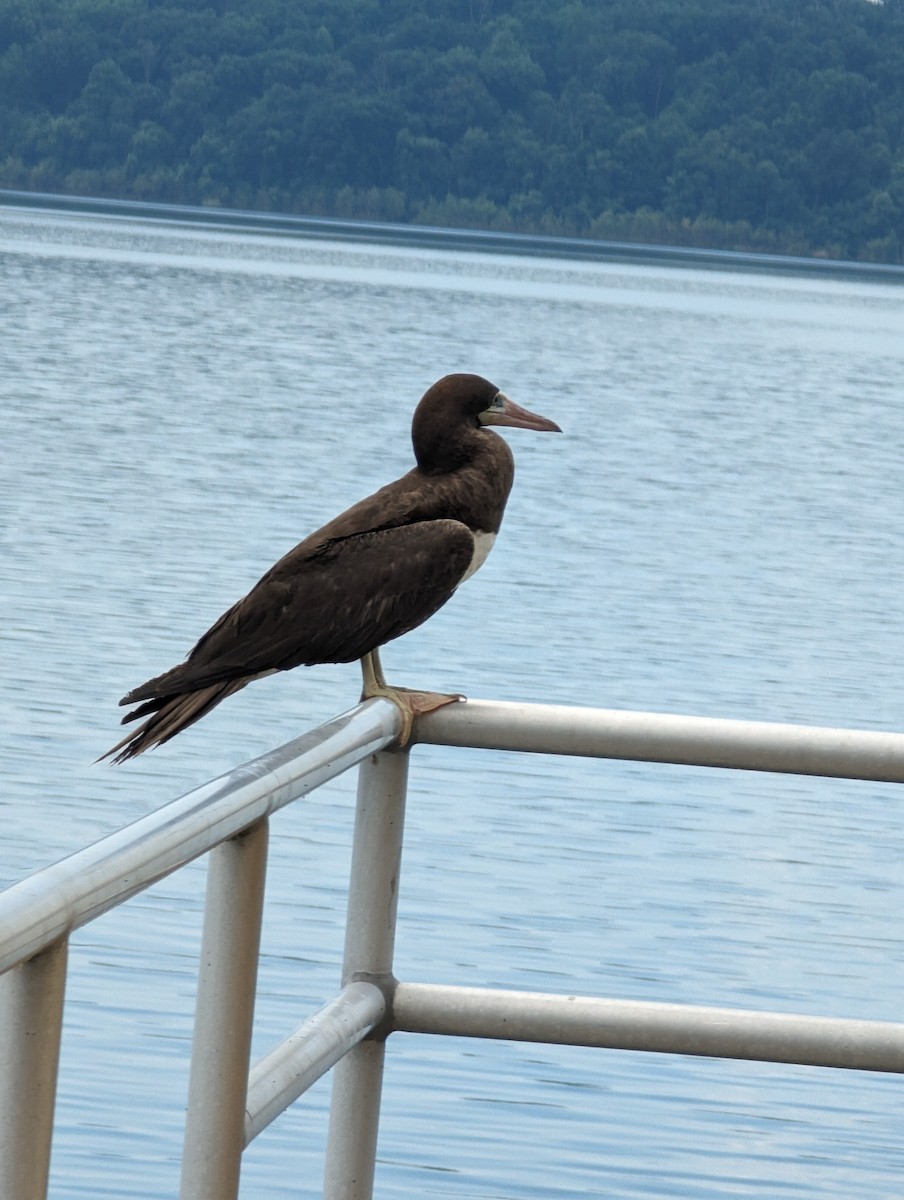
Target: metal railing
[228, 1104]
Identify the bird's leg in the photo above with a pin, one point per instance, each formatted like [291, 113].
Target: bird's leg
[372, 670]
[411, 703]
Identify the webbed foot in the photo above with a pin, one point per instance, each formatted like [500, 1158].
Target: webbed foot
[411, 703]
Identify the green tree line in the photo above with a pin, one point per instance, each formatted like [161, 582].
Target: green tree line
[748, 124]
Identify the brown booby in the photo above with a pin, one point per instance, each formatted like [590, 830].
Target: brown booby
[373, 573]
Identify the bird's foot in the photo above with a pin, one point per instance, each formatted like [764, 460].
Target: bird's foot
[411, 704]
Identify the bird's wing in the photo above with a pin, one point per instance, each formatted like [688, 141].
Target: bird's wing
[333, 605]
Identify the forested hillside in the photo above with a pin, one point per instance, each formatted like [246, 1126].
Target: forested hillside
[763, 124]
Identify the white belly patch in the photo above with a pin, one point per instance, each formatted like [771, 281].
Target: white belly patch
[483, 544]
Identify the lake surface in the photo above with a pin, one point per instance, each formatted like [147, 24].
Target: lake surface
[719, 531]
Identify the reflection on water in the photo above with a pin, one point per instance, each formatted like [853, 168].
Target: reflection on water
[718, 532]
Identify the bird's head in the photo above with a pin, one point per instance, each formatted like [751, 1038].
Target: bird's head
[455, 406]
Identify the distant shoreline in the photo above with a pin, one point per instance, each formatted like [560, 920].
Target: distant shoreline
[437, 238]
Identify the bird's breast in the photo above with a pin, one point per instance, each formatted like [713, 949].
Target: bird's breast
[483, 544]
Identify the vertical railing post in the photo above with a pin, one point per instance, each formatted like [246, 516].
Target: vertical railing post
[369, 943]
[31, 1020]
[227, 981]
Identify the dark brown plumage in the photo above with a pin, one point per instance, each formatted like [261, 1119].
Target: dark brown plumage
[378, 570]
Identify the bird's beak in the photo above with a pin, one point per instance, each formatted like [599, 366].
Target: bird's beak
[504, 411]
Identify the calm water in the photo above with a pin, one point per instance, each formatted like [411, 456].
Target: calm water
[718, 532]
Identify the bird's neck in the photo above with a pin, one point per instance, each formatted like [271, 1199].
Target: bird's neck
[476, 491]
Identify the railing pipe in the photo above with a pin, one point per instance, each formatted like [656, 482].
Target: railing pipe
[31, 1019]
[369, 944]
[227, 983]
[52, 902]
[642, 1025]
[667, 738]
[294, 1065]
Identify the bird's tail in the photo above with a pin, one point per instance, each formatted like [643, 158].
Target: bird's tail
[168, 715]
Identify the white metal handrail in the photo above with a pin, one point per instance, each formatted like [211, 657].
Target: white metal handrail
[59, 899]
[229, 1104]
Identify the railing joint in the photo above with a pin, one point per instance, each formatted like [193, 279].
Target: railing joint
[386, 983]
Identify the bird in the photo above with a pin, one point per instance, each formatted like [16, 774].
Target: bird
[372, 574]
